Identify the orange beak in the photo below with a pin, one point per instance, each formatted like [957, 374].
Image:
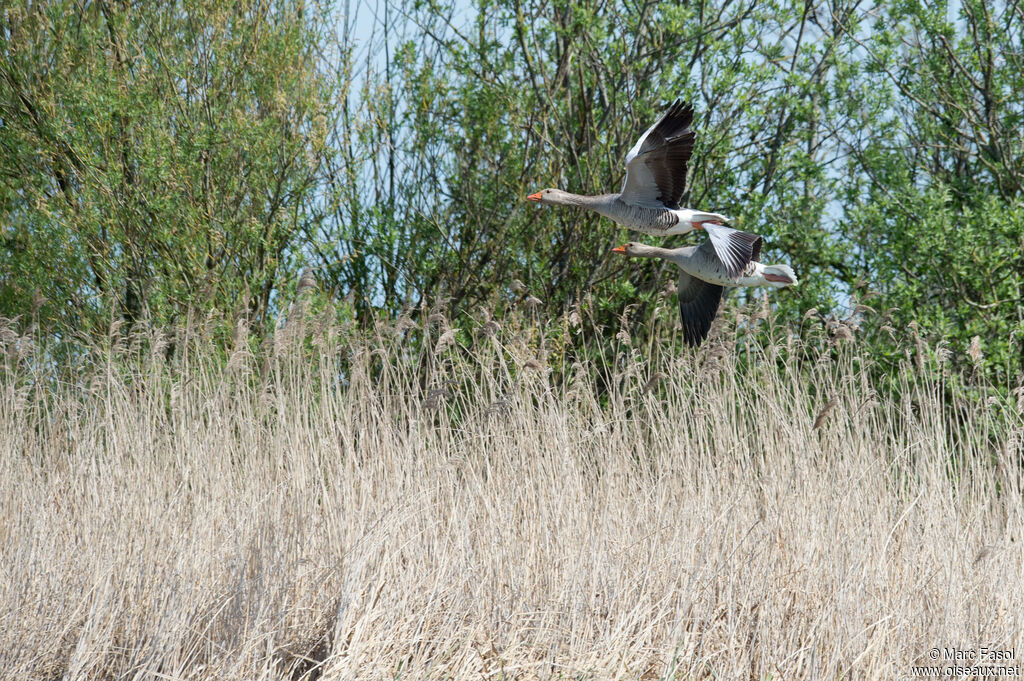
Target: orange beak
[621, 250]
[533, 197]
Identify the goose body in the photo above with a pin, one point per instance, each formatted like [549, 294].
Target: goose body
[655, 181]
[703, 279]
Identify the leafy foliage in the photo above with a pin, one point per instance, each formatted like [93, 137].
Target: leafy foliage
[155, 162]
[192, 157]
[940, 216]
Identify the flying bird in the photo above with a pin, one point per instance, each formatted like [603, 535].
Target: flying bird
[703, 278]
[654, 184]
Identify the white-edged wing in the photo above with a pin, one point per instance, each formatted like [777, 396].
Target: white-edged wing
[656, 165]
[735, 249]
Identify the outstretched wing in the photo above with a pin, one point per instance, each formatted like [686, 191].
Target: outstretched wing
[735, 249]
[698, 305]
[656, 165]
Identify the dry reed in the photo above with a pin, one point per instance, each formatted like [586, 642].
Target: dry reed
[333, 507]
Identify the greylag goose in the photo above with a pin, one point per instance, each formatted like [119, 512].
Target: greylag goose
[654, 184]
[702, 279]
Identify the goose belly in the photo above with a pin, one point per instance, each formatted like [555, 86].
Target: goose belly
[654, 221]
[718, 277]
[711, 270]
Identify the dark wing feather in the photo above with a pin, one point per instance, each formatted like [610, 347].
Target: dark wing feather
[663, 152]
[698, 305]
[667, 150]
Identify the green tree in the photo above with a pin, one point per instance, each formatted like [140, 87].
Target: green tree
[876, 147]
[192, 155]
[937, 211]
[156, 159]
[536, 94]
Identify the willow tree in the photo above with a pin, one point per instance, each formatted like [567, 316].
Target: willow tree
[465, 112]
[156, 159]
[937, 208]
[876, 146]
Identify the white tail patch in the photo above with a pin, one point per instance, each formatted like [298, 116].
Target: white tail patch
[710, 217]
[780, 275]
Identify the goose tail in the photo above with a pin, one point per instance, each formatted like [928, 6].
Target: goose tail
[779, 276]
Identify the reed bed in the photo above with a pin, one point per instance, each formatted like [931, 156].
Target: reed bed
[336, 505]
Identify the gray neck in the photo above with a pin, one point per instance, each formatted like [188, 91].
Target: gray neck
[645, 251]
[597, 203]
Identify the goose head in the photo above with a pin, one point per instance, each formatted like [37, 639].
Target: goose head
[551, 197]
[637, 250]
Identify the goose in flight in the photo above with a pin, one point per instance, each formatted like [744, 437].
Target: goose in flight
[702, 279]
[654, 184]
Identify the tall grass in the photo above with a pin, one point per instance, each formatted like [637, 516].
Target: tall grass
[337, 505]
